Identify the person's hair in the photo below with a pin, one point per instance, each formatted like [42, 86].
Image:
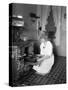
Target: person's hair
[44, 35]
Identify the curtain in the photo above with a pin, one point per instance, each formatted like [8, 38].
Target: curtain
[43, 12]
[39, 24]
[57, 20]
[39, 14]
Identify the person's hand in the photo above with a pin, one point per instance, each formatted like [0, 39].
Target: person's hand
[39, 63]
[39, 56]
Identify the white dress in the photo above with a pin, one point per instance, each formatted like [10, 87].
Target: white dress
[46, 65]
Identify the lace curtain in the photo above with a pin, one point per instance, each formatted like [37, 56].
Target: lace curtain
[57, 20]
[43, 12]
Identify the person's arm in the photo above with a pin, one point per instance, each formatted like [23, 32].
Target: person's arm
[43, 57]
[39, 61]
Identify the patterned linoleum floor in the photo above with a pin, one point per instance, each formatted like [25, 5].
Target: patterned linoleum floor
[57, 75]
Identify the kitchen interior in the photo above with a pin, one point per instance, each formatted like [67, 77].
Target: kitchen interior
[24, 43]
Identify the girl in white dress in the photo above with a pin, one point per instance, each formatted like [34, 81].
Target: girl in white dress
[45, 63]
